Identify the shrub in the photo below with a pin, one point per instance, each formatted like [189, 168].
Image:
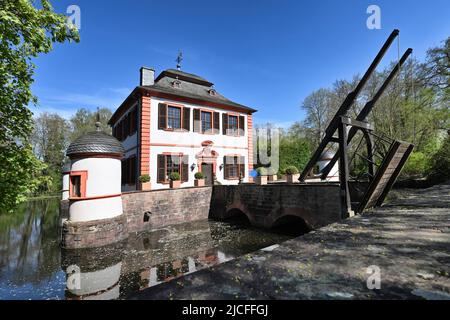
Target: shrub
[199, 175]
[416, 165]
[291, 170]
[440, 164]
[261, 171]
[144, 178]
[175, 176]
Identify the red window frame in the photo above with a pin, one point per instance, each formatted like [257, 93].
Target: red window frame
[83, 179]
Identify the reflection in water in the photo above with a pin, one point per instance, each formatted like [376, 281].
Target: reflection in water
[32, 265]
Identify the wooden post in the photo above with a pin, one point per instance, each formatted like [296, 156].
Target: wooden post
[343, 170]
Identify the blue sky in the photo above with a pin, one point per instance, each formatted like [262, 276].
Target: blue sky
[267, 54]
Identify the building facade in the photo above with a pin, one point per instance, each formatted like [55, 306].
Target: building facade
[179, 123]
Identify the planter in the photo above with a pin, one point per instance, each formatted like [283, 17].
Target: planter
[175, 184]
[273, 177]
[261, 180]
[145, 186]
[292, 178]
[199, 182]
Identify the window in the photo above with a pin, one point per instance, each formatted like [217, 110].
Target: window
[169, 163]
[127, 126]
[206, 121]
[77, 187]
[234, 167]
[129, 170]
[233, 125]
[173, 117]
[172, 165]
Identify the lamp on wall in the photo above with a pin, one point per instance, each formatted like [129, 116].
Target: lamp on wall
[193, 166]
[221, 167]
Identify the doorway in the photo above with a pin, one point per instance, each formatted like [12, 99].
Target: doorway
[207, 170]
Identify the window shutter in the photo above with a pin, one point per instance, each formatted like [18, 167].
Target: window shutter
[133, 169]
[162, 116]
[197, 121]
[216, 123]
[187, 119]
[161, 168]
[129, 124]
[242, 166]
[225, 168]
[241, 125]
[185, 168]
[224, 123]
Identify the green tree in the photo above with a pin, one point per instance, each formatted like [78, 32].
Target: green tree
[50, 139]
[27, 28]
[84, 121]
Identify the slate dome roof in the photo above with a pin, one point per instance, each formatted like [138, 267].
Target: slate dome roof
[96, 142]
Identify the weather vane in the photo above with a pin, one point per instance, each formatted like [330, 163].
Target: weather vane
[179, 59]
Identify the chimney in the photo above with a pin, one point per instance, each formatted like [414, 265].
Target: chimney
[147, 76]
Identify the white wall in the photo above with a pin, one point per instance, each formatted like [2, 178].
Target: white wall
[104, 175]
[191, 143]
[103, 179]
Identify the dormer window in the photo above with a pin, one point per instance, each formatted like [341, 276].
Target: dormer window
[176, 83]
[212, 92]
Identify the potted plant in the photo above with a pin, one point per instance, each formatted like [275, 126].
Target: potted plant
[261, 177]
[145, 182]
[292, 174]
[199, 179]
[271, 176]
[175, 180]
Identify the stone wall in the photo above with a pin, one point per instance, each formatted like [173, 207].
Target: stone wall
[317, 204]
[96, 233]
[149, 210]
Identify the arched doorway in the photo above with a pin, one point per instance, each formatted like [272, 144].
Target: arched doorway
[207, 162]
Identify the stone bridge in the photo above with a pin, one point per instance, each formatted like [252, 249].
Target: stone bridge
[268, 206]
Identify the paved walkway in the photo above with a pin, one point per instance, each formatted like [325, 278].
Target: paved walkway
[408, 239]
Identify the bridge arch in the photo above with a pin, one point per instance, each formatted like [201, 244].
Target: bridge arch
[238, 212]
[291, 224]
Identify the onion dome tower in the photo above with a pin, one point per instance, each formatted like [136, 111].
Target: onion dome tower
[95, 197]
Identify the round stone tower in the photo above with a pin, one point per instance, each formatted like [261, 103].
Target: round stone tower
[95, 200]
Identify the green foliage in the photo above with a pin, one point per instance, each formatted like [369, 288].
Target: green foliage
[174, 176]
[294, 151]
[199, 175]
[440, 164]
[25, 32]
[416, 164]
[261, 171]
[144, 178]
[20, 175]
[291, 170]
[84, 121]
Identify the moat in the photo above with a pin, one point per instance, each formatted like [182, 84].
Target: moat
[33, 266]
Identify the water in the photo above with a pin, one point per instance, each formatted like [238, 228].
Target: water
[33, 266]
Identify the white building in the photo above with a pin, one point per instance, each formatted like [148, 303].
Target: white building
[94, 177]
[179, 123]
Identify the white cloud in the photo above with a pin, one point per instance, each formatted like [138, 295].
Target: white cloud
[66, 104]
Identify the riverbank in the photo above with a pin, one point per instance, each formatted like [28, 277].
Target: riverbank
[408, 240]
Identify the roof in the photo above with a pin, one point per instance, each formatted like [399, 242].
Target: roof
[173, 73]
[96, 142]
[190, 86]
